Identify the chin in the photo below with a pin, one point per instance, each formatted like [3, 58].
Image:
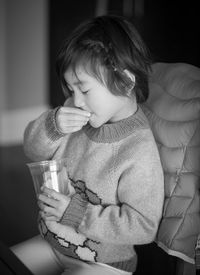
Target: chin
[97, 121]
[96, 124]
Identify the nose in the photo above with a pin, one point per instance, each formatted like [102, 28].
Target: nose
[78, 100]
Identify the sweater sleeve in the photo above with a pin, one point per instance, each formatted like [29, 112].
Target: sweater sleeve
[42, 137]
[135, 219]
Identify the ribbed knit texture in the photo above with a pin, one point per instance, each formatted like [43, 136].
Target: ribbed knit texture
[51, 127]
[113, 132]
[116, 187]
[75, 211]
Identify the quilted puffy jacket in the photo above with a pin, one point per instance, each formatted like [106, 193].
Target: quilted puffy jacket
[173, 109]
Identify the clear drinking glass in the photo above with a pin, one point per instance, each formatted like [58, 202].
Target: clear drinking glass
[49, 173]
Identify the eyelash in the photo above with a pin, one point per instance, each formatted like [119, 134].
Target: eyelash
[83, 92]
[72, 92]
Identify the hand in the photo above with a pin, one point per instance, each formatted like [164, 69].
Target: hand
[52, 204]
[71, 119]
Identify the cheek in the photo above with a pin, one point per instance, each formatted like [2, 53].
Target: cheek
[94, 107]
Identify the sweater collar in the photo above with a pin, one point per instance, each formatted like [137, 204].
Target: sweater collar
[112, 132]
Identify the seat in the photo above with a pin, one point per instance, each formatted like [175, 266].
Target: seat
[10, 264]
[173, 110]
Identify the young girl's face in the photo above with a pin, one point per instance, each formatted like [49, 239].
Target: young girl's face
[91, 95]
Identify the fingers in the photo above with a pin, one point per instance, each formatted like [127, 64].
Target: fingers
[48, 201]
[73, 129]
[52, 203]
[70, 119]
[75, 111]
[48, 213]
[52, 194]
[49, 217]
[48, 191]
[73, 119]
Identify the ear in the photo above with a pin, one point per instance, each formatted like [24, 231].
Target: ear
[130, 75]
[132, 78]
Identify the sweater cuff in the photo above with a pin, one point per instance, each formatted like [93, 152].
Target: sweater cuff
[75, 211]
[52, 130]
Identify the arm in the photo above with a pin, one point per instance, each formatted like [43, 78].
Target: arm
[136, 218]
[44, 136]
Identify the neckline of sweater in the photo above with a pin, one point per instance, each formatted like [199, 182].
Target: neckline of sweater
[113, 132]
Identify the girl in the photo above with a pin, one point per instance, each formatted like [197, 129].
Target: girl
[115, 177]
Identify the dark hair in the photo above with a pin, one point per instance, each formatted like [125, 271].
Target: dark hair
[110, 43]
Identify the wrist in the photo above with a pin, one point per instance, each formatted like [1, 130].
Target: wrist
[53, 132]
[75, 211]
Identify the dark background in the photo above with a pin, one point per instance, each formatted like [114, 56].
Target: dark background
[171, 30]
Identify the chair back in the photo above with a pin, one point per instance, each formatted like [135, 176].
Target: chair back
[173, 110]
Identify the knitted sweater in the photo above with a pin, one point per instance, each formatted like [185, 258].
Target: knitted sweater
[115, 183]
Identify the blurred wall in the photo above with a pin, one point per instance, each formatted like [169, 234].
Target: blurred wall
[2, 54]
[23, 97]
[23, 66]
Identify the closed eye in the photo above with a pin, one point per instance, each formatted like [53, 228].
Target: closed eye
[85, 92]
